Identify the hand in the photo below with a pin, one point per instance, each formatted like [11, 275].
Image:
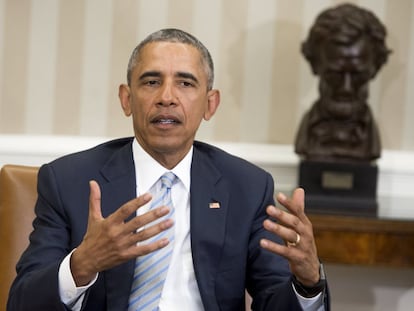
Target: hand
[111, 241]
[295, 229]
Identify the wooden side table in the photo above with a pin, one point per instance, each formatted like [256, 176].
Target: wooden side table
[364, 240]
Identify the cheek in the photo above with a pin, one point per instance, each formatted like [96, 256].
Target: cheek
[139, 117]
[194, 105]
[363, 92]
[192, 114]
[325, 88]
[141, 106]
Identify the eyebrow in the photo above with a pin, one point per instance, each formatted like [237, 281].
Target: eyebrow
[187, 75]
[150, 74]
[180, 74]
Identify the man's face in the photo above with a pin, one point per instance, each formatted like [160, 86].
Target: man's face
[168, 98]
[345, 72]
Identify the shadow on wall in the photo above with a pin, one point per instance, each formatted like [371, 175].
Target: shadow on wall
[260, 83]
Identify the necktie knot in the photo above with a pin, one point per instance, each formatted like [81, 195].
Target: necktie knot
[168, 179]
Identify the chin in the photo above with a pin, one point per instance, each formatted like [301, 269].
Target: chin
[166, 145]
[343, 109]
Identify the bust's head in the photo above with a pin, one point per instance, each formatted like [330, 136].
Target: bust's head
[345, 48]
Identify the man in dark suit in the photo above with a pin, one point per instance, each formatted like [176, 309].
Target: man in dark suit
[226, 237]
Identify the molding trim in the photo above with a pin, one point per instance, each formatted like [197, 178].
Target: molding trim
[396, 168]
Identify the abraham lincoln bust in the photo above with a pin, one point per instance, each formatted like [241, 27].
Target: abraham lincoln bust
[338, 139]
[345, 49]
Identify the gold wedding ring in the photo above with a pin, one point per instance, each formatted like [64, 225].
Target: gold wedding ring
[294, 243]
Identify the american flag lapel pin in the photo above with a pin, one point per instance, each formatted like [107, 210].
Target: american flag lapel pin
[214, 205]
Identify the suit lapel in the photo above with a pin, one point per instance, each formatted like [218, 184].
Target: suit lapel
[209, 206]
[119, 171]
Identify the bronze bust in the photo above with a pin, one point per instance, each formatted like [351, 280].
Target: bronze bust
[346, 49]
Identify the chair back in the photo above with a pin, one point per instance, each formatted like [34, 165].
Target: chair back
[17, 200]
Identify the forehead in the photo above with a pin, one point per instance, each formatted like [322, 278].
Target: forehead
[359, 52]
[169, 56]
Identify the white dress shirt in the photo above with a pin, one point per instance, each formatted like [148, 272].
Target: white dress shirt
[180, 290]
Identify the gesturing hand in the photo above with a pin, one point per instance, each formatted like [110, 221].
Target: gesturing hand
[294, 227]
[111, 241]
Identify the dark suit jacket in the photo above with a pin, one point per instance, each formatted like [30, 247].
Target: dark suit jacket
[225, 241]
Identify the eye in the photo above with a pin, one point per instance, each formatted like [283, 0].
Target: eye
[362, 76]
[333, 77]
[186, 83]
[151, 82]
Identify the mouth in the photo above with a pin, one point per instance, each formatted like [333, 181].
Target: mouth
[162, 120]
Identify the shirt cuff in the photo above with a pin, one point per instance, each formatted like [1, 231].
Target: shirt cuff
[71, 295]
[310, 304]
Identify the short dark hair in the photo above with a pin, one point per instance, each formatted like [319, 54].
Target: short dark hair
[345, 24]
[179, 36]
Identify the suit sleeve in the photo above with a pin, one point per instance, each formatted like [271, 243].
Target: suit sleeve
[269, 279]
[268, 275]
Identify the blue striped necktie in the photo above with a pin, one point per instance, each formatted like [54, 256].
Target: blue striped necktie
[151, 269]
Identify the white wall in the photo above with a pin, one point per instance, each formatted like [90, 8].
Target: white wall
[61, 62]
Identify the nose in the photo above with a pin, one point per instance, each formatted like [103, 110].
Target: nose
[167, 94]
[347, 82]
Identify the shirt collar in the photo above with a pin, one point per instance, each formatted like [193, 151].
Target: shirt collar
[148, 170]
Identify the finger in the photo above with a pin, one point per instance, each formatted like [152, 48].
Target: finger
[295, 204]
[152, 231]
[94, 201]
[143, 249]
[144, 219]
[287, 234]
[287, 219]
[130, 207]
[282, 250]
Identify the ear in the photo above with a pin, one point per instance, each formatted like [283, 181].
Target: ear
[124, 94]
[213, 101]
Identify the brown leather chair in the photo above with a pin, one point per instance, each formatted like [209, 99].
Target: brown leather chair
[17, 199]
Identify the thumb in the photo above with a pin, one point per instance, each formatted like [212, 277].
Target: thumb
[94, 201]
